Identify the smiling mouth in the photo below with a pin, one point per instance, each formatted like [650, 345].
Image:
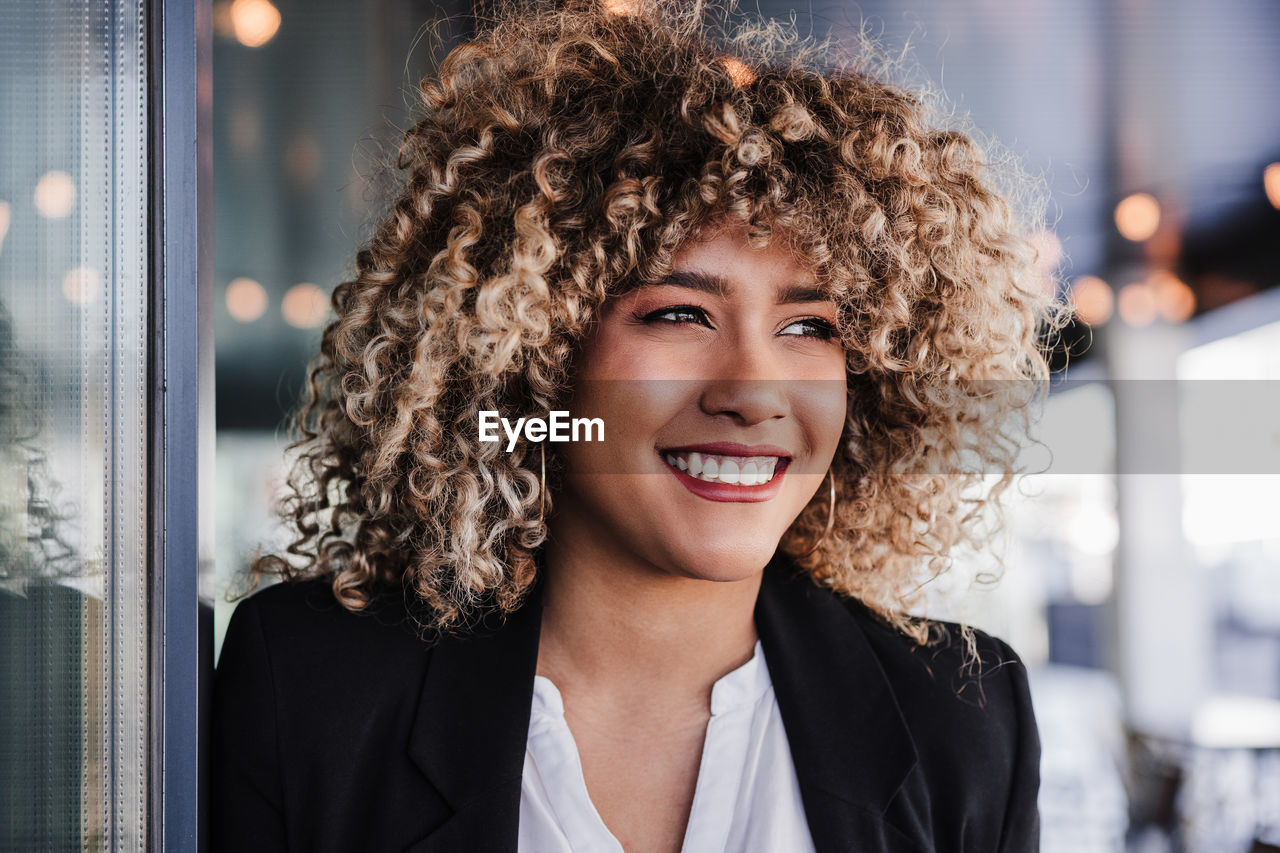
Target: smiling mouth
[740, 471]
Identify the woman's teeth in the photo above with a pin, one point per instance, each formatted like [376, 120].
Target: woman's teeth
[734, 470]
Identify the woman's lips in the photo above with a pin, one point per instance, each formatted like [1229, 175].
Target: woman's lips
[729, 472]
[731, 448]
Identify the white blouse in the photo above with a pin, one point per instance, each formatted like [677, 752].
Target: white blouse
[747, 798]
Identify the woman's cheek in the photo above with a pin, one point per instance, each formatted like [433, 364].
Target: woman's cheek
[824, 404]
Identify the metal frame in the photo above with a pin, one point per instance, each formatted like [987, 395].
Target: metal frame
[181, 415]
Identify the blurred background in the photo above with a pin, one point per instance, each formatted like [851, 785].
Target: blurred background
[1142, 578]
[1141, 568]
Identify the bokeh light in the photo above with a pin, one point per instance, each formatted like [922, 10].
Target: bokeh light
[1271, 183]
[246, 300]
[1048, 250]
[81, 285]
[304, 306]
[55, 195]
[1048, 256]
[1138, 217]
[621, 7]
[254, 22]
[1175, 301]
[1136, 303]
[741, 75]
[1093, 299]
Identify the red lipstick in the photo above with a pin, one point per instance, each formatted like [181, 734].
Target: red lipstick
[726, 492]
[732, 448]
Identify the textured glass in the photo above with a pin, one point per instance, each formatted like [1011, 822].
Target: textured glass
[73, 303]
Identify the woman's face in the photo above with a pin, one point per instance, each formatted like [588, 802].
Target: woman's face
[722, 392]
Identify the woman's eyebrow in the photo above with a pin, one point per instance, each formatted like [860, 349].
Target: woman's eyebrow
[706, 282]
[718, 285]
[807, 292]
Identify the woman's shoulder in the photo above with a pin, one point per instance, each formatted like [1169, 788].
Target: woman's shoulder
[300, 626]
[965, 700]
[962, 656]
[312, 707]
[963, 685]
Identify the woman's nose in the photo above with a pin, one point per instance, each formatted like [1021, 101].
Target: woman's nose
[744, 381]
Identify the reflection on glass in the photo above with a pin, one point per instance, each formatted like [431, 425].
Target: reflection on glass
[73, 618]
[43, 723]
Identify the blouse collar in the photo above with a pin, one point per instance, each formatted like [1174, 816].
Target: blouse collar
[740, 688]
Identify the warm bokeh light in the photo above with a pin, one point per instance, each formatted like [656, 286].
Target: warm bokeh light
[1136, 303]
[304, 306]
[741, 75]
[1048, 250]
[55, 195]
[621, 7]
[81, 285]
[6, 213]
[1048, 256]
[246, 300]
[1271, 183]
[1093, 299]
[1138, 217]
[1175, 301]
[254, 22]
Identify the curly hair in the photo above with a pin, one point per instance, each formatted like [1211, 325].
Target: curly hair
[563, 156]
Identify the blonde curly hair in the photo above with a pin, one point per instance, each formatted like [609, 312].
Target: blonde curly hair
[563, 156]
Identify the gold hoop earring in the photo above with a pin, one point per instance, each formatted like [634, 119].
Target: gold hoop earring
[542, 486]
[831, 513]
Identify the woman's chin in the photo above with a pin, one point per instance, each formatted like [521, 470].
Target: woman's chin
[729, 564]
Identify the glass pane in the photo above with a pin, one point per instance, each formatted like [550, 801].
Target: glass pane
[73, 393]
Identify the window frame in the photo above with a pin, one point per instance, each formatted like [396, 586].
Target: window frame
[180, 417]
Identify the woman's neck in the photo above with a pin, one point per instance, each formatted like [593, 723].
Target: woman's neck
[625, 632]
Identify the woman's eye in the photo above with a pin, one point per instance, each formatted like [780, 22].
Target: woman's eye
[811, 328]
[679, 314]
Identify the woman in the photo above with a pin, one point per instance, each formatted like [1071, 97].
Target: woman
[792, 304]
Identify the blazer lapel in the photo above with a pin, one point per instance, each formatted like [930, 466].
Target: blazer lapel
[471, 728]
[851, 748]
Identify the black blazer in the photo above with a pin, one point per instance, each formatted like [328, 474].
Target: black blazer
[338, 731]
